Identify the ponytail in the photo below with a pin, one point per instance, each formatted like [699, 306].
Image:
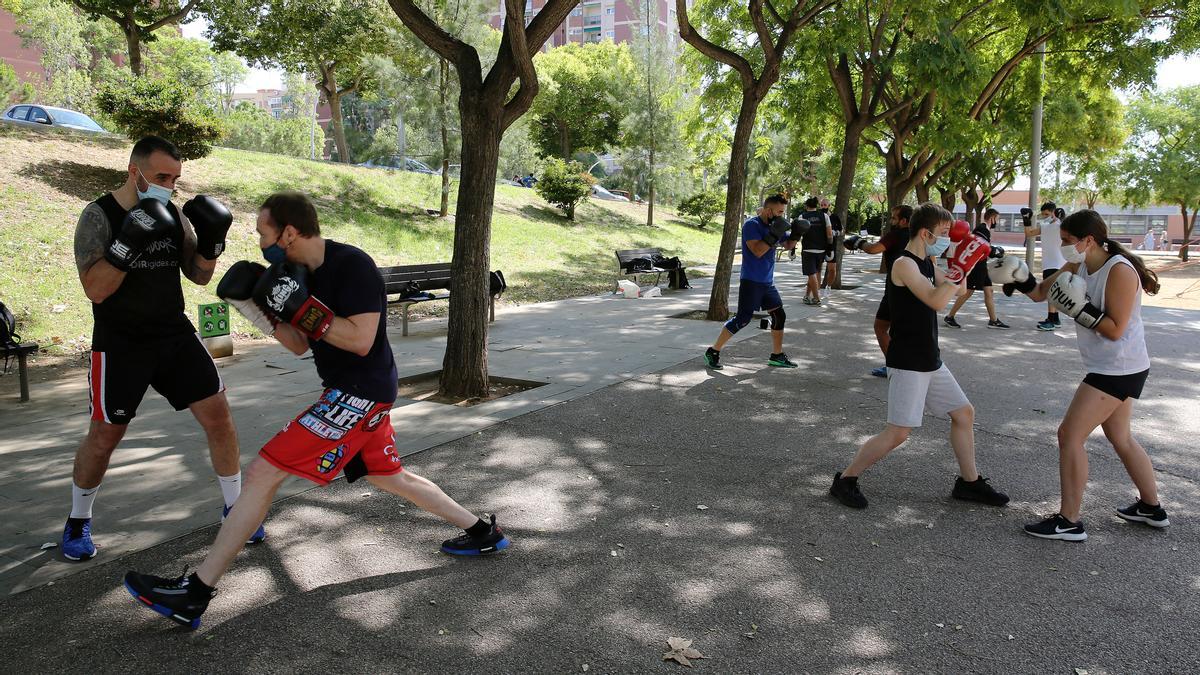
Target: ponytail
[1149, 278]
[1087, 223]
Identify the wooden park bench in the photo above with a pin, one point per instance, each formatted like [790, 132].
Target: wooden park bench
[431, 281]
[21, 351]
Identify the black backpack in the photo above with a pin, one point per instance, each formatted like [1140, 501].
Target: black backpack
[8, 333]
[496, 283]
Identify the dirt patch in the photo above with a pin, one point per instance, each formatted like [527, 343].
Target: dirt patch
[1179, 281]
[424, 387]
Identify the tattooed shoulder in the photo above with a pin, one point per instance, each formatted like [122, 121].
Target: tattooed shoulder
[91, 236]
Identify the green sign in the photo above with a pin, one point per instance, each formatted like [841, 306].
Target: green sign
[214, 319]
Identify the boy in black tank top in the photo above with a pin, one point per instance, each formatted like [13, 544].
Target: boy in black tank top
[917, 378]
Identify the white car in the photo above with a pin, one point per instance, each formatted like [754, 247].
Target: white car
[41, 116]
[599, 192]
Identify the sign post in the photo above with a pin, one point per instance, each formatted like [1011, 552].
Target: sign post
[214, 329]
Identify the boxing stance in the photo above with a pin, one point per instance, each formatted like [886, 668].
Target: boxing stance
[760, 235]
[1100, 286]
[892, 247]
[327, 297]
[917, 378]
[816, 243]
[1047, 227]
[130, 247]
[978, 279]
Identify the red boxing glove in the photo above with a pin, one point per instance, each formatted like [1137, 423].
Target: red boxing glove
[969, 252]
[960, 230]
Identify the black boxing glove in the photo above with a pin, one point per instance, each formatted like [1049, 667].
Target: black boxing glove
[145, 223]
[776, 229]
[799, 227]
[852, 242]
[996, 252]
[211, 220]
[1026, 216]
[237, 288]
[283, 292]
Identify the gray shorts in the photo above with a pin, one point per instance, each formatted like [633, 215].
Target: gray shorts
[912, 392]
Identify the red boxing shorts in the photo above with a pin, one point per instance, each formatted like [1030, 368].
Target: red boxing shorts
[338, 432]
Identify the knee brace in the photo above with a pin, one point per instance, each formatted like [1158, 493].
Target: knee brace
[778, 316]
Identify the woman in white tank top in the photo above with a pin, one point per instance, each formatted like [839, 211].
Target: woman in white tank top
[1100, 286]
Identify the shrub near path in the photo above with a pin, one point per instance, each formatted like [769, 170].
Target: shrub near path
[46, 178]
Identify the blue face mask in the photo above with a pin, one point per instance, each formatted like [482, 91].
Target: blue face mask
[153, 191]
[938, 247]
[274, 253]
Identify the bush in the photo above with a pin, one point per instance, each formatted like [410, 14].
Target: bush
[564, 184]
[248, 127]
[147, 106]
[704, 206]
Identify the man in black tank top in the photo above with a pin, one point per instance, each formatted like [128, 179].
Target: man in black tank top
[917, 378]
[130, 247]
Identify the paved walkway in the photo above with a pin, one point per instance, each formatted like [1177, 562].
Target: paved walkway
[677, 502]
[160, 484]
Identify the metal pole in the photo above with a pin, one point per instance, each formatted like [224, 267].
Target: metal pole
[1035, 151]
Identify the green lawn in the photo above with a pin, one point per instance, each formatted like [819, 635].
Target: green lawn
[47, 178]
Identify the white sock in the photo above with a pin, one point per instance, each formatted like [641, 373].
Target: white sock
[82, 500]
[231, 487]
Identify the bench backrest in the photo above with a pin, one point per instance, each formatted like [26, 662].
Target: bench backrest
[624, 257]
[428, 277]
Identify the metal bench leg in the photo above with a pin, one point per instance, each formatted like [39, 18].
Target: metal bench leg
[24, 377]
[492, 309]
[404, 321]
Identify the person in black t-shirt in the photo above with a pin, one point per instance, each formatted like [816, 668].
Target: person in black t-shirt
[891, 245]
[831, 265]
[328, 297]
[917, 378]
[130, 247]
[813, 246]
[978, 279]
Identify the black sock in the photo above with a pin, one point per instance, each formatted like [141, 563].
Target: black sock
[713, 351]
[479, 529]
[197, 588]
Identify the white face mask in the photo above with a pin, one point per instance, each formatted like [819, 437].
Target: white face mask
[938, 246]
[1072, 254]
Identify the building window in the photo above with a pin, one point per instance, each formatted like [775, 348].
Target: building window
[611, 33]
[610, 10]
[575, 31]
[1124, 224]
[578, 11]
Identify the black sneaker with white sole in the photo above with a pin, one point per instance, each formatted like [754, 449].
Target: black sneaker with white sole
[846, 491]
[979, 491]
[1141, 512]
[182, 599]
[1057, 527]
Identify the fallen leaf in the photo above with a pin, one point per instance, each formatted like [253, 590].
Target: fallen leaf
[1094, 573]
[681, 651]
[620, 545]
[1010, 637]
[613, 553]
[433, 602]
[1081, 671]
[701, 507]
[585, 667]
[58, 309]
[441, 631]
[940, 625]
[929, 526]
[48, 544]
[958, 628]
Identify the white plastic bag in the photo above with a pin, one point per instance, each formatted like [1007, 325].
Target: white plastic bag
[628, 288]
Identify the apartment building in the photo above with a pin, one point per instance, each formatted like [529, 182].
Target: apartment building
[598, 20]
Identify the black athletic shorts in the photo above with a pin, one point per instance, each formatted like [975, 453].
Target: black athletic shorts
[1119, 387]
[179, 368]
[977, 278]
[1046, 274]
[810, 263]
[884, 313]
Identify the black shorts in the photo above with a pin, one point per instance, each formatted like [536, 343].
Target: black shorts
[978, 279]
[810, 263]
[1120, 387]
[179, 368]
[1046, 274]
[884, 313]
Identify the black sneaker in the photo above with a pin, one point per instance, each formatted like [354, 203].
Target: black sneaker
[181, 600]
[1057, 527]
[712, 359]
[998, 324]
[1141, 512]
[492, 542]
[781, 360]
[951, 321]
[978, 490]
[846, 491]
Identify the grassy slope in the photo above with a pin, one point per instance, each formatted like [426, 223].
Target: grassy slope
[45, 180]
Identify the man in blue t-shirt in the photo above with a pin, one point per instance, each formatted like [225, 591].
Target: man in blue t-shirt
[760, 235]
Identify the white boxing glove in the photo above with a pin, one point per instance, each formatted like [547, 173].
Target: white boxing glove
[1068, 294]
[1012, 273]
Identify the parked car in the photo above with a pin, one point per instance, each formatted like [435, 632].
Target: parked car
[393, 162]
[41, 116]
[600, 192]
[637, 199]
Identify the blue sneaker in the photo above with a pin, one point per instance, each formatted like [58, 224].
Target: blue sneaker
[77, 539]
[256, 538]
[1048, 325]
[492, 542]
[881, 371]
[182, 600]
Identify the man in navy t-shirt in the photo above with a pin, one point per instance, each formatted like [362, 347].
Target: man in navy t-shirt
[330, 298]
[760, 235]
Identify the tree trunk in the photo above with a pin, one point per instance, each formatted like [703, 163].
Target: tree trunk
[650, 193]
[465, 366]
[443, 73]
[850, 150]
[972, 203]
[564, 141]
[1188, 224]
[718, 301]
[133, 42]
[948, 200]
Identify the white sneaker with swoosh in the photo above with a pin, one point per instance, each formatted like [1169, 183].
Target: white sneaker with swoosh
[1057, 527]
[1141, 512]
